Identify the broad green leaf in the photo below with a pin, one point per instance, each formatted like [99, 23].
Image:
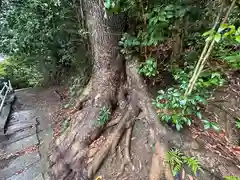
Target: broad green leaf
[208, 33]
[210, 38]
[222, 27]
[238, 31]
[207, 126]
[215, 127]
[217, 37]
[237, 38]
[176, 94]
[178, 127]
[233, 29]
[107, 4]
[238, 124]
[199, 115]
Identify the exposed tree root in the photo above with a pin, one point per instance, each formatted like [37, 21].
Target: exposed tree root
[127, 157]
[113, 140]
[158, 162]
[85, 96]
[159, 133]
[113, 122]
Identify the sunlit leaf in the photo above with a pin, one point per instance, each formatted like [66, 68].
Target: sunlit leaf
[199, 115]
[237, 38]
[238, 31]
[217, 37]
[215, 127]
[107, 4]
[222, 27]
[208, 33]
[210, 38]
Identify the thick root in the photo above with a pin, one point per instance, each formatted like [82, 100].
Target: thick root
[159, 169]
[112, 141]
[84, 98]
[70, 153]
[159, 133]
[127, 157]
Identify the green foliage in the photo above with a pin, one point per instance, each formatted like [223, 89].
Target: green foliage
[232, 59]
[237, 123]
[224, 31]
[148, 68]
[102, 117]
[176, 161]
[44, 33]
[231, 178]
[174, 102]
[210, 125]
[192, 163]
[178, 110]
[21, 72]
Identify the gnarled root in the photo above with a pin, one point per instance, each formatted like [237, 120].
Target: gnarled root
[159, 169]
[113, 140]
[85, 96]
[127, 157]
[158, 132]
[69, 157]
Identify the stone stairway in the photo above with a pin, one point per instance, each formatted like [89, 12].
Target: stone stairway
[25, 140]
[22, 159]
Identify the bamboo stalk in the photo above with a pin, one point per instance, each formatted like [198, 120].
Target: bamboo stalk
[207, 44]
[206, 51]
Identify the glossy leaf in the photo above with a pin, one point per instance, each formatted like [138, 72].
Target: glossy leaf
[199, 115]
[107, 4]
[222, 27]
[217, 37]
[208, 33]
[237, 38]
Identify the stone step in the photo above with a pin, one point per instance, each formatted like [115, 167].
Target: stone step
[20, 126]
[18, 164]
[28, 174]
[39, 177]
[21, 144]
[20, 135]
[22, 116]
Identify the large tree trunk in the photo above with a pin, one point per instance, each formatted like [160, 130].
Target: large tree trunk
[70, 156]
[112, 85]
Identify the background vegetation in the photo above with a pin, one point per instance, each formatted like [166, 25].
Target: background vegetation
[42, 40]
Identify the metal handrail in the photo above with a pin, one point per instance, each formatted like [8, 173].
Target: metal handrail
[8, 86]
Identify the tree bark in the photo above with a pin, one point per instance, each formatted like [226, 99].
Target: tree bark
[69, 157]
